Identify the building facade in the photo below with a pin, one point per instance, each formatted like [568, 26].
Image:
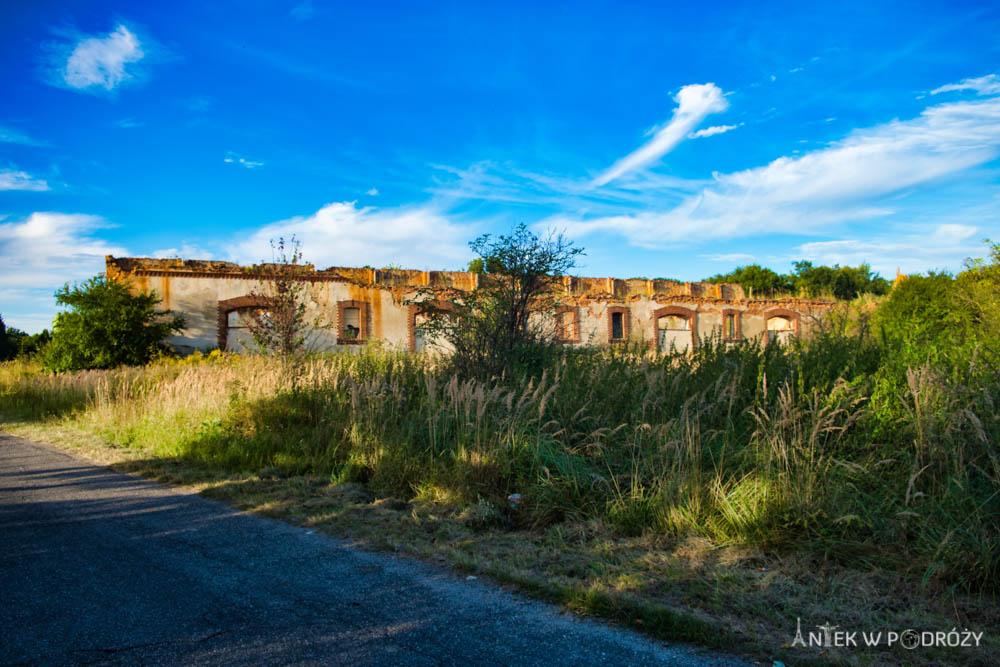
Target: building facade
[351, 306]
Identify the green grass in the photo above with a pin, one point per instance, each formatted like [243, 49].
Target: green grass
[711, 497]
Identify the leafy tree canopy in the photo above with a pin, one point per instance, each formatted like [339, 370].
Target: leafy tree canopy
[842, 282]
[17, 343]
[759, 279]
[502, 323]
[107, 325]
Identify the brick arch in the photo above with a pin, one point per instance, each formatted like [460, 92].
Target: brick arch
[690, 314]
[789, 315]
[227, 306]
[415, 309]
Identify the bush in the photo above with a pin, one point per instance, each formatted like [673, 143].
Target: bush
[507, 321]
[107, 325]
[281, 327]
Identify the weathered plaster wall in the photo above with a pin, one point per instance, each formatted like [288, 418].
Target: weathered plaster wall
[200, 290]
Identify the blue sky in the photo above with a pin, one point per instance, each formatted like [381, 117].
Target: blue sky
[668, 140]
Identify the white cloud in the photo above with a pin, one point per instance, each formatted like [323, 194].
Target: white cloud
[9, 136]
[694, 102]
[233, 158]
[934, 247]
[48, 249]
[21, 180]
[342, 234]
[845, 181]
[710, 131]
[128, 123]
[372, 191]
[983, 85]
[100, 61]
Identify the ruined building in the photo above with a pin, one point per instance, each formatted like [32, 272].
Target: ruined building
[355, 305]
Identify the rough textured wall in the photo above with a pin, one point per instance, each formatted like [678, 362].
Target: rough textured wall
[204, 292]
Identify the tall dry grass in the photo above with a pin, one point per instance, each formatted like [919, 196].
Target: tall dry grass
[821, 447]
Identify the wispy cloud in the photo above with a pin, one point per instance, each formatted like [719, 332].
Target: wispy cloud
[100, 62]
[11, 136]
[372, 191]
[710, 131]
[233, 158]
[128, 123]
[186, 251]
[846, 181]
[340, 233]
[694, 102]
[731, 258]
[489, 181]
[21, 180]
[935, 246]
[983, 85]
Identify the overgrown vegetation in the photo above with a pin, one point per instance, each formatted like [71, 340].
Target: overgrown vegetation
[280, 326]
[16, 343]
[108, 324]
[868, 453]
[504, 322]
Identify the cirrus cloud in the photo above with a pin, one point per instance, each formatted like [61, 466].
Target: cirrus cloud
[848, 180]
[694, 102]
[11, 179]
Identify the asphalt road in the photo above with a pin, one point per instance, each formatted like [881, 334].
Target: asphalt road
[101, 567]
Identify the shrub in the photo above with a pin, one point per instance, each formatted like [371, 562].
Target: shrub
[107, 325]
[281, 327]
[508, 319]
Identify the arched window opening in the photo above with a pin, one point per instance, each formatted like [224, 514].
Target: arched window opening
[674, 333]
[780, 329]
[675, 328]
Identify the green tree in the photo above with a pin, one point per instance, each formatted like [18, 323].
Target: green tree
[843, 282]
[17, 343]
[979, 290]
[755, 278]
[8, 342]
[508, 319]
[31, 344]
[107, 325]
[924, 317]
